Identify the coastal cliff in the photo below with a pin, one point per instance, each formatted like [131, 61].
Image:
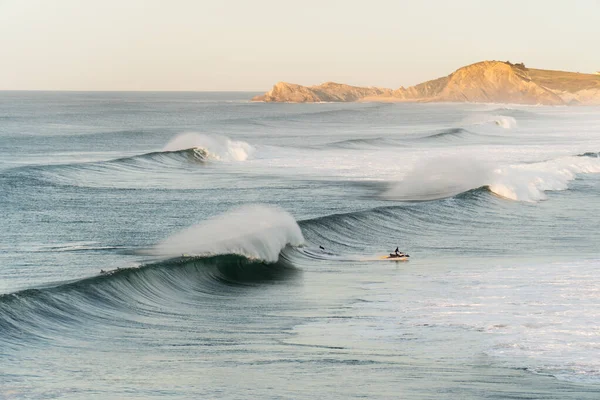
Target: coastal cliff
[483, 82]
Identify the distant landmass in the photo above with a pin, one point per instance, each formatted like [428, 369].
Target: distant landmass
[482, 82]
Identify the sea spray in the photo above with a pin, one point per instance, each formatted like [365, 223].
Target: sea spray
[528, 182]
[439, 178]
[253, 231]
[448, 176]
[216, 147]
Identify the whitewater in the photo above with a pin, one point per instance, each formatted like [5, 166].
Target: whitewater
[199, 245]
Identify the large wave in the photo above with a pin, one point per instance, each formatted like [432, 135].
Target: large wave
[222, 255]
[448, 176]
[254, 231]
[148, 294]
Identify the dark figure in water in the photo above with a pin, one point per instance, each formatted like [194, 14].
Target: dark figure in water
[322, 248]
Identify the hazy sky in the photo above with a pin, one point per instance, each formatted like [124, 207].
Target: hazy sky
[250, 45]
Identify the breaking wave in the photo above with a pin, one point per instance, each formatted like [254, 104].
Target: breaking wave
[256, 232]
[212, 147]
[445, 177]
[168, 167]
[221, 256]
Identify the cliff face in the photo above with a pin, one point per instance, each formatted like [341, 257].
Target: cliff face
[487, 81]
[495, 82]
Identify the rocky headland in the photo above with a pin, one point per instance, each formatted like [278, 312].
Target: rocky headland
[482, 82]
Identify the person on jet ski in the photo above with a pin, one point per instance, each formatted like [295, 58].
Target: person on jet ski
[398, 253]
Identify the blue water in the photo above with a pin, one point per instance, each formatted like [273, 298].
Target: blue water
[166, 245]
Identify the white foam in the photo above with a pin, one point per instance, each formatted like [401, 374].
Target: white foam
[447, 176]
[528, 182]
[216, 147]
[254, 231]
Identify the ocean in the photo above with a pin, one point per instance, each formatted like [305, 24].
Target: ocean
[199, 245]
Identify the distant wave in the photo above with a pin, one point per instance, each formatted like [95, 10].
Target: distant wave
[445, 135]
[512, 112]
[212, 147]
[361, 143]
[126, 170]
[186, 147]
[316, 111]
[502, 121]
[446, 177]
[590, 154]
[181, 152]
[450, 133]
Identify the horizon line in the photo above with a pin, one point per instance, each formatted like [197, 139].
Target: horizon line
[130, 91]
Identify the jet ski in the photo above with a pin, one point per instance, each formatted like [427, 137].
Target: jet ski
[396, 257]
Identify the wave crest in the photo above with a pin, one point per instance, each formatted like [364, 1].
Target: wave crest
[528, 182]
[211, 147]
[254, 231]
[439, 178]
[447, 177]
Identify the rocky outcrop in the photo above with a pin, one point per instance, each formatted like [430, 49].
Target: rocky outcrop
[487, 81]
[330, 91]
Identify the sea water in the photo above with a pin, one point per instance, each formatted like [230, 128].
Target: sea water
[198, 245]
